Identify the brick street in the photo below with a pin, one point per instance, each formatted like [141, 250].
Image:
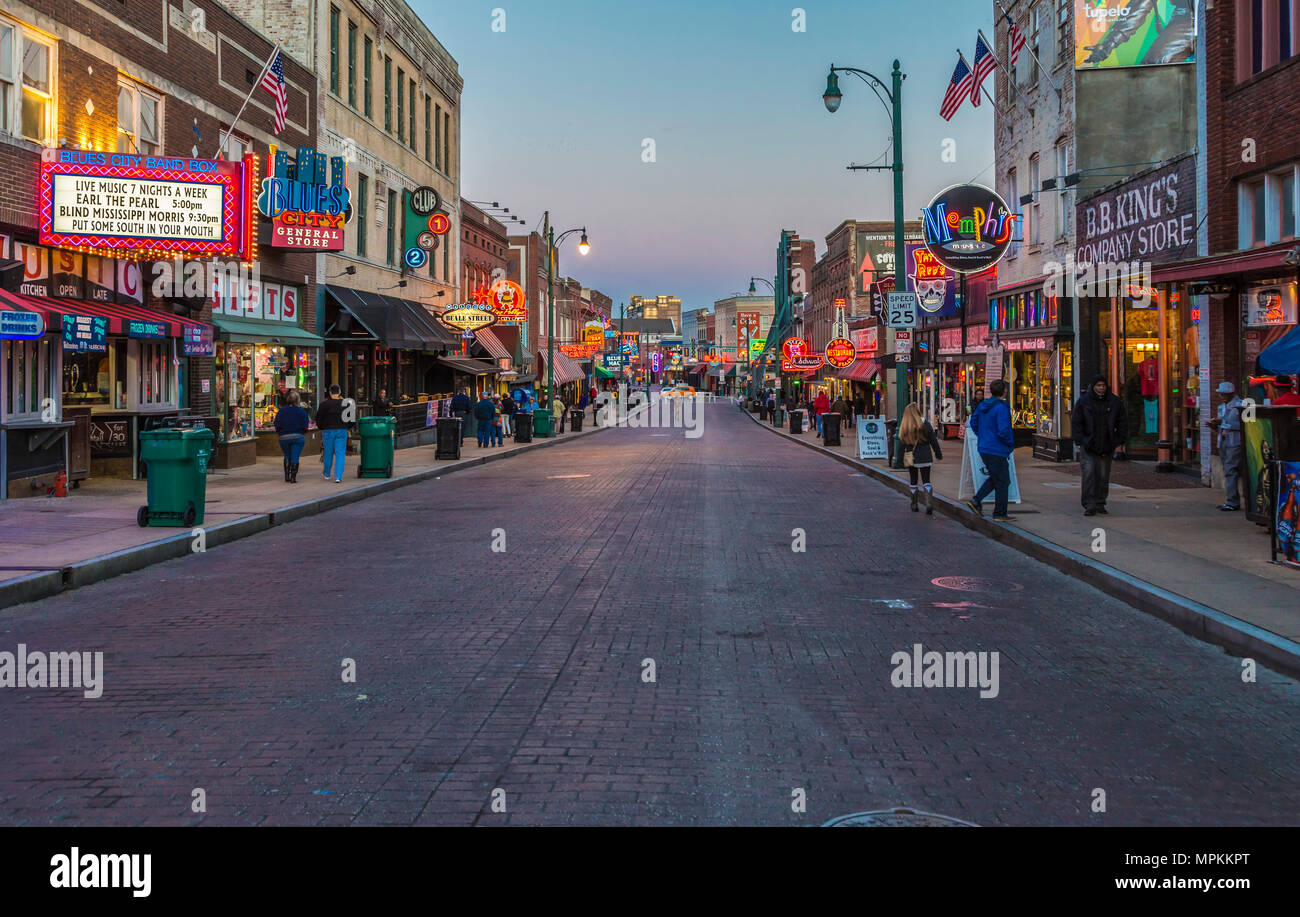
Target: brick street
[522, 671]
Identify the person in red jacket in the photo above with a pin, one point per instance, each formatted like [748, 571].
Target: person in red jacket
[821, 404]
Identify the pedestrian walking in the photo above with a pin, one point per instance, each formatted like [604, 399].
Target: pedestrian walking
[496, 433]
[291, 427]
[460, 407]
[484, 411]
[557, 412]
[381, 406]
[821, 405]
[508, 416]
[1099, 426]
[842, 408]
[1228, 423]
[917, 448]
[859, 407]
[991, 424]
[333, 434]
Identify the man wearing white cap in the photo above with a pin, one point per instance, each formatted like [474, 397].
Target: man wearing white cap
[1228, 423]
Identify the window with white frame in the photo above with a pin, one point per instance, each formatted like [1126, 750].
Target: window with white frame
[155, 374]
[234, 147]
[1035, 30]
[1064, 34]
[1031, 214]
[31, 380]
[1013, 195]
[26, 82]
[1266, 208]
[139, 119]
[1063, 196]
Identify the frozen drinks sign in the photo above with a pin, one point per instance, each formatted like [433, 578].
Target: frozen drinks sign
[146, 206]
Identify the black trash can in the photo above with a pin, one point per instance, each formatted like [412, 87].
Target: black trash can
[448, 438]
[830, 429]
[778, 417]
[796, 421]
[523, 428]
[575, 420]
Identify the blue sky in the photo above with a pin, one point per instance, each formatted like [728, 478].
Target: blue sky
[556, 107]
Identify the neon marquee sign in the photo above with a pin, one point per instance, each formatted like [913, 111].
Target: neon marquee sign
[968, 228]
[306, 205]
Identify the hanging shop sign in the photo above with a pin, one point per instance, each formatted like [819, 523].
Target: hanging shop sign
[197, 341]
[1130, 33]
[467, 317]
[802, 363]
[1269, 304]
[840, 353]
[578, 351]
[21, 326]
[506, 299]
[968, 228]
[935, 285]
[425, 201]
[423, 224]
[145, 207]
[950, 340]
[307, 203]
[793, 347]
[656, 362]
[1151, 217]
[756, 346]
[142, 329]
[593, 333]
[866, 341]
[85, 333]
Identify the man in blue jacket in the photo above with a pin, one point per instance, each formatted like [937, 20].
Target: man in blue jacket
[992, 425]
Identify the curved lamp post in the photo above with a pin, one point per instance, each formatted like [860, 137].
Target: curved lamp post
[753, 291]
[832, 98]
[552, 244]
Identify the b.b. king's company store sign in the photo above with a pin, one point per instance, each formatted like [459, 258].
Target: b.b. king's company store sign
[307, 203]
[148, 207]
[1149, 218]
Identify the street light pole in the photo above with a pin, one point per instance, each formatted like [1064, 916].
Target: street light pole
[831, 97]
[551, 244]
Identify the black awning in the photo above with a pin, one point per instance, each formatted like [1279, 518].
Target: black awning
[11, 274]
[470, 366]
[394, 322]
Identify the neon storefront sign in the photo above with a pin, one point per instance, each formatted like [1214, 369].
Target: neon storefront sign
[968, 228]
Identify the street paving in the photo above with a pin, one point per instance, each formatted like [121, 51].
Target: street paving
[522, 671]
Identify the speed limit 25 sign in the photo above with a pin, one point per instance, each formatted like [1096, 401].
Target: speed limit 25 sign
[902, 310]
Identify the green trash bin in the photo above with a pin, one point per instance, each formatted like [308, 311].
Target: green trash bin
[542, 423]
[176, 467]
[378, 435]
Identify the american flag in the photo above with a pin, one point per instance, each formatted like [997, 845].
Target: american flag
[273, 82]
[958, 90]
[1016, 38]
[985, 63]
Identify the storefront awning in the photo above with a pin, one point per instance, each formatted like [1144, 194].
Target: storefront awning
[119, 315]
[863, 369]
[248, 331]
[397, 323]
[722, 371]
[1282, 357]
[699, 369]
[566, 370]
[492, 344]
[469, 366]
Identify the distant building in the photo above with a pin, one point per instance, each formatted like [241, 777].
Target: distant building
[658, 307]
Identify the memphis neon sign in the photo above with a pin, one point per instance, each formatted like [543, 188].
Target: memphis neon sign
[968, 228]
[146, 207]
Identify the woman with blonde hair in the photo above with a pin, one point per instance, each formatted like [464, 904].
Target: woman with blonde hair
[917, 449]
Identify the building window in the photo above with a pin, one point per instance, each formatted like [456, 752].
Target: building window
[1032, 234]
[1285, 24]
[155, 377]
[31, 380]
[392, 226]
[334, 50]
[428, 152]
[410, 114]
[26, 83]
[1266, 34]
[234, 148]
[1064, 34]
[352, 64]
[401, 104]
[446, 263]
[366, 68]
[446, 142]
[363, 212]
[1287, 204]
[1267, 208]
[437, 135]
[1035, 27]
[139, 119]
[1063, 196]
[1251, 222]
[388, 93]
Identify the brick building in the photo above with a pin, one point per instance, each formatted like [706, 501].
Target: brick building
[137, 80]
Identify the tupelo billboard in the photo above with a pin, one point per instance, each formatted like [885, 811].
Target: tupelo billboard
[145, 207]
[1130, 33]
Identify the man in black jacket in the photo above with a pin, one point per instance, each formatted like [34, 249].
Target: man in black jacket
[1099, 426]
[460, 407]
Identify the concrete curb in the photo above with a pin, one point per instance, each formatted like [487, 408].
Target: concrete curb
[35, 586]
[1200, 621]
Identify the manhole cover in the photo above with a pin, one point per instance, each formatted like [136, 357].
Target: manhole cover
[897, 818]
[976, 584]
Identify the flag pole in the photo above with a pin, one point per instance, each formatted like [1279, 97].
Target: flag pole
[995, 60]
[1028, 47]
[221, 141]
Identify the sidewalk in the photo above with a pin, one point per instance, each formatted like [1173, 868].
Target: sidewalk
[48, 544]
[1162, 529]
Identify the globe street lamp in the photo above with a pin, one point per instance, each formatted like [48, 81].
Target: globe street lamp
[552, 244]
[832, 98]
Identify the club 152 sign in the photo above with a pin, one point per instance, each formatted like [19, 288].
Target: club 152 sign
[968, 228]
[306, 206]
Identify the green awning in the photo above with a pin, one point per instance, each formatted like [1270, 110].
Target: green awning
[248, 331]
[603, 373]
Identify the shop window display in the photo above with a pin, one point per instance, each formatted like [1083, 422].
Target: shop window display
[277, 371]
[234, 396]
